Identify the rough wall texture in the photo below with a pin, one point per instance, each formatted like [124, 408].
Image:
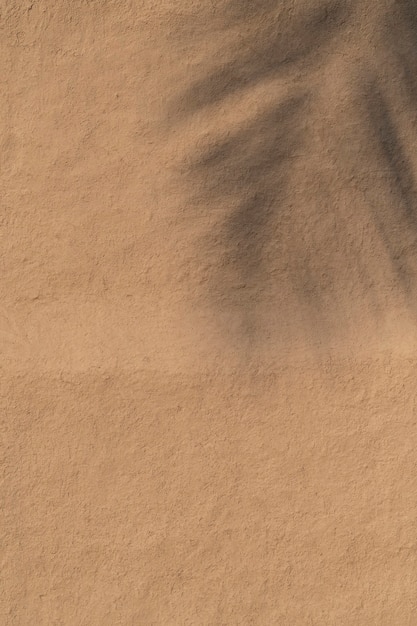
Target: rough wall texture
[208, 312]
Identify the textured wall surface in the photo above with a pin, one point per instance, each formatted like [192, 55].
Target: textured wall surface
[208, 312]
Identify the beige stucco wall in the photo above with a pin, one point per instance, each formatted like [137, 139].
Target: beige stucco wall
[208, 312]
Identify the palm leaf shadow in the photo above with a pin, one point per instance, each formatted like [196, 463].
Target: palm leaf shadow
[274, 46]
[397, 224]
[248, 170]
[251, 168]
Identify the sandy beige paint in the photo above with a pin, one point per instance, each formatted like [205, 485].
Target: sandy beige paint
[208, 413]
